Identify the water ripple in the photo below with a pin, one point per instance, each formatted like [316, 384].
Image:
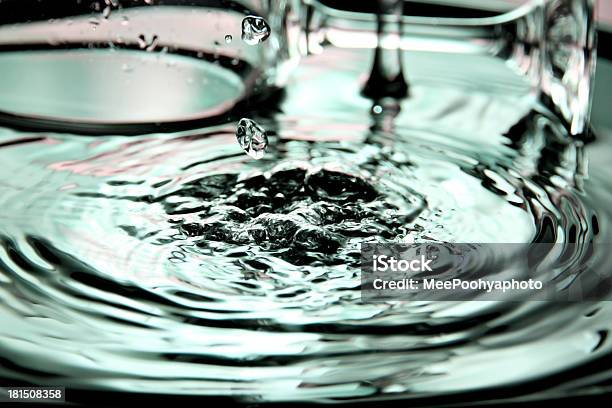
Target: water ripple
[174, 264]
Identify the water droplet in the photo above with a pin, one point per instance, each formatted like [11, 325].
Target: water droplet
[148, 44]
[228, 39]
[110, 5]
[252, 138]
[142, 42]
[255, 30]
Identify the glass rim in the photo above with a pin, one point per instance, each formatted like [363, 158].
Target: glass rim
[512, 12]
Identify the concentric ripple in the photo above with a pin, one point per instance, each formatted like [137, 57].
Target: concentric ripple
[175, 264]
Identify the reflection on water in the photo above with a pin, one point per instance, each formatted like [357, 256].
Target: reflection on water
[175, 263]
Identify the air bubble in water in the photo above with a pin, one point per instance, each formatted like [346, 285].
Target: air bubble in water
[228, 39]
[255, 30]
[252, 138]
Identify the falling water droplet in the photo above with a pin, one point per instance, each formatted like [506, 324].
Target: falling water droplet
[252, 138]
[255, 30]
[228, 39]
[106, 12]
[110, 5]
[384, 112]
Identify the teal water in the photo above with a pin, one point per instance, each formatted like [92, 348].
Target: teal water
[177, 264]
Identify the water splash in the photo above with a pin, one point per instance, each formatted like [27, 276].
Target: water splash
[255, 30]
[175, 264]
[252, 138]
[386, 78]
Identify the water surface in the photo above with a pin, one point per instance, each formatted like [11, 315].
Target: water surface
[177, 264]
